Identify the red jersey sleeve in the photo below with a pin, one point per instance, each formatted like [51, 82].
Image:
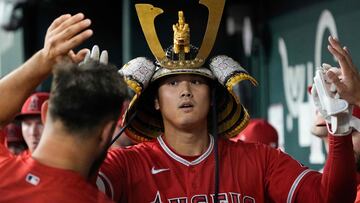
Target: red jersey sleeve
[111, 174]
[114, 175]
[338, 182]
[283, 175]
[266, 174]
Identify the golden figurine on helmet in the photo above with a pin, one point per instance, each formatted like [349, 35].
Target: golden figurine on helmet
[181, 35]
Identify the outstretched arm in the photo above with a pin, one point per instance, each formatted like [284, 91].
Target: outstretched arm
[65, 33]
[347, 78]
[338, 182]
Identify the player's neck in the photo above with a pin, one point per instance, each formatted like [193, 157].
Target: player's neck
[60, 150]
[192, 143]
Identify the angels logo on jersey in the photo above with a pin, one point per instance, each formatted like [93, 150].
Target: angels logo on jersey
[230, 197]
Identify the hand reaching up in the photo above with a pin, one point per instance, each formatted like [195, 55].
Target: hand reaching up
[347, 78]
[64, 34]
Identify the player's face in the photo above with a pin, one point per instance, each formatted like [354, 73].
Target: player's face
[184, 101]
[319, 126]
[356, 146]
[32, 128]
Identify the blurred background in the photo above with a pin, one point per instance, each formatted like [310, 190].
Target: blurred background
[279, 42]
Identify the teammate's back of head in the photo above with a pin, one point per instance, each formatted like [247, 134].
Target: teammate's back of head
[83, 97]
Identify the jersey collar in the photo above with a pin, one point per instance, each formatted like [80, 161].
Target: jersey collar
[182, 160]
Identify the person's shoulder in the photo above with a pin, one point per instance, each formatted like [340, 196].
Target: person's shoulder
[241, 146]
[72, 184]
[81, 192]
[91, 194]
[140, 148]
[14, 163]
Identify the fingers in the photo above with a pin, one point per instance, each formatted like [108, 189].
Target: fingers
[349, 59]
[337, 72]
[83, 52]
[66, 33]
[67, 45]
[87, 56]
[95, 53]
[334, 79]
[96, 56]
[68, 22]
[72, 35]
[342, 55]
[104, 57]
[80, 56]
[334, 43]
[58, 21]
[61, 23]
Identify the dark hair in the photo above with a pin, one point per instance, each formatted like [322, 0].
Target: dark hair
[84, 96]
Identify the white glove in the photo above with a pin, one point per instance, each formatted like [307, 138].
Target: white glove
[334, 110]
[95, 55]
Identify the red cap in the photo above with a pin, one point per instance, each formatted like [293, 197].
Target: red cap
[13, 133]
[259, 130]
[32, 105]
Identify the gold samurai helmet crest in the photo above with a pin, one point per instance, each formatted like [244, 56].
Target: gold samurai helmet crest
[147, 14]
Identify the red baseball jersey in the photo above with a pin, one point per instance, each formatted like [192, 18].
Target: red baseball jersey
[153, 172]
[3, 140]
[358, 189]
[23, 179]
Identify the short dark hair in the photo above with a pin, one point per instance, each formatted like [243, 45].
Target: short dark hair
[84, 96]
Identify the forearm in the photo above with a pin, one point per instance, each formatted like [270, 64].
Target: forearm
[338, 182]
[339, 178]
[20, 83]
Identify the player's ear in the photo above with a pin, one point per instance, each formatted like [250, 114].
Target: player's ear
[44, 111]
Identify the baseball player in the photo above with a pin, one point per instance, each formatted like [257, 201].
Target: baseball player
[30, 118]
[170, 116]
[80, 117]
[259, 131]
[347, 81]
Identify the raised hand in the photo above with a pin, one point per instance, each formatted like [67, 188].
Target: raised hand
[64, 34]
[347, 78]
